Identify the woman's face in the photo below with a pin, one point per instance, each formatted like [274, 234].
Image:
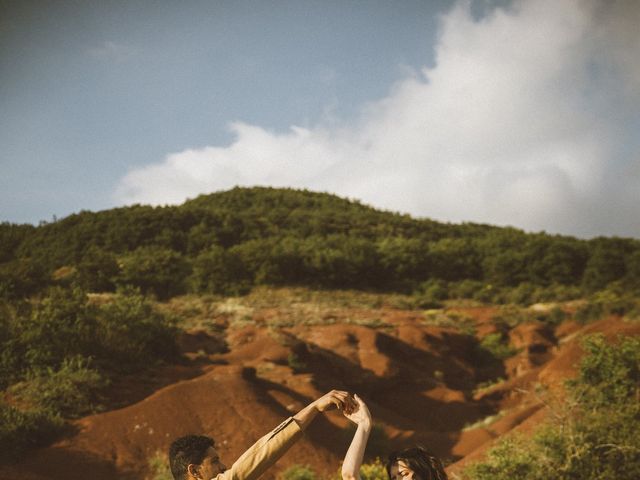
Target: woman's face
[400, 471]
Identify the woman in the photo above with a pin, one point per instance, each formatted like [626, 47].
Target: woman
[415, 464]
[410, 464]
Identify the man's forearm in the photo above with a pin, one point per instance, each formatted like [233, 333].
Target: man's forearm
[334, 399]
[305, 416]
[264, 453]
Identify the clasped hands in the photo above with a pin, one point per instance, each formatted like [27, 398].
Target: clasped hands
[350, 405]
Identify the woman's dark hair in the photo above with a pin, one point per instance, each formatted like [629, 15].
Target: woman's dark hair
[425, 465]
[186, 450]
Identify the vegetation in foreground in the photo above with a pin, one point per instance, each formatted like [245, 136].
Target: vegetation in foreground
[59, 353]
[593, 436]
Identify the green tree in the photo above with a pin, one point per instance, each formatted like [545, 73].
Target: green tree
[403, 261]
[132, 334]
[454, 259]
[607, 263]
[98, 270]
[220, 271]
[594, 435]
[21, 278]
[156, 270]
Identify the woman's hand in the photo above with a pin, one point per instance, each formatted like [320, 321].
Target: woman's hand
[360, 416]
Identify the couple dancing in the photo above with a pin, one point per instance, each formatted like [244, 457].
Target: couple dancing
[194, 457]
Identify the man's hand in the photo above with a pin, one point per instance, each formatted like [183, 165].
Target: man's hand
[336, 398]
[339, 399]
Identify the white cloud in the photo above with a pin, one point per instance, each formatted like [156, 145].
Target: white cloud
[112, 51]
[521, 121]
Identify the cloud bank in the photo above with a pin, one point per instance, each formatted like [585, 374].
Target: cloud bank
[526, 119]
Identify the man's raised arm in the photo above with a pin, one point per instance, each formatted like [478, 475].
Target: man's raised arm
[266, 451]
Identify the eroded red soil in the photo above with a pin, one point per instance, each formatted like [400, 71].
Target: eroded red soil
[420, 382]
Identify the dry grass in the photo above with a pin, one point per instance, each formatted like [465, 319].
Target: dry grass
[284, 307]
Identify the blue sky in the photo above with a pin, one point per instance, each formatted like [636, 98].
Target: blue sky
[519, 113]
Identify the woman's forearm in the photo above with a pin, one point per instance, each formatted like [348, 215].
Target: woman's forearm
[355, 453]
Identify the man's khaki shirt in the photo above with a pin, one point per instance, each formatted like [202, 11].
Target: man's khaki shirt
[264, 453]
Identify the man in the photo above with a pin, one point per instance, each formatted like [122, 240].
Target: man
[194, 457]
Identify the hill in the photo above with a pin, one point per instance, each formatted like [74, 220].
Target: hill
[228, 242]
[124, 328]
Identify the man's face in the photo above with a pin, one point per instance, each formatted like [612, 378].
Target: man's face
[210, 466]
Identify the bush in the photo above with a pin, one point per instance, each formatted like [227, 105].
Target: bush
[433, 292]
[298, 472]
[60, 353]
[132, 335]
[611, 301]
[594, 436]
[22, 430]
[554, 317]
[368, 471]
[60, 326]
[124, 335]
[220, 271]
[155, 270]
[70, 391]
[465, 288]
[373, 471]
[159, 467]
[97, 270]
[21, 278]
[495, 345]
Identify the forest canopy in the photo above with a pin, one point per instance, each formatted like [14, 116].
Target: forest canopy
[230, 241]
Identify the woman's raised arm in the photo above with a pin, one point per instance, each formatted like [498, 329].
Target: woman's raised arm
[353, 459]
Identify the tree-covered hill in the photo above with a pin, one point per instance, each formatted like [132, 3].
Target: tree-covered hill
[227, 242]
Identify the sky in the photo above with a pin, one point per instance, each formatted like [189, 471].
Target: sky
[523, 113]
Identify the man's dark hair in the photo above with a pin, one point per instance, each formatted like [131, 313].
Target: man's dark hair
[425, 465]
[186, 450]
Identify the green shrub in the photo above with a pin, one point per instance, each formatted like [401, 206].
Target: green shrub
[21, 278]
[154, 270]
[220, 271]
[609, 374]
[159, 467]
[20, 430]
[373, 471]
[123, 335]
[298, 472]
[60, 326]
[439, 318]
[611, 301]
[132, 335]
[495, 345]
[555, 316]
[71, 391]
[510, 459]
[465, 288]
[432, 294]
[98, 270]
[523, 294]
[368, 471]
[593, 436]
